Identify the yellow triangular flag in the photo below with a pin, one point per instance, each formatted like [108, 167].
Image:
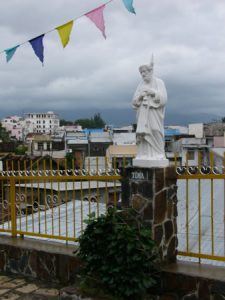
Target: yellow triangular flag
[64, 32]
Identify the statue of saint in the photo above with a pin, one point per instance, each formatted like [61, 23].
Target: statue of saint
[149, 102]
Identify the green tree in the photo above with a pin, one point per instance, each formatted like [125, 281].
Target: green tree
[69, 160]
[4, 135]
[98, 121]
[85, 123]
[21, 150]
[94, 122]
[65, 122]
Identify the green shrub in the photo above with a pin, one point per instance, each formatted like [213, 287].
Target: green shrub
[119, 255]
[21, 150]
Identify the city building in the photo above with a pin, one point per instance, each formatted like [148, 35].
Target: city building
[121, 155]
[46, 123]
[191, 151]
[14, 125]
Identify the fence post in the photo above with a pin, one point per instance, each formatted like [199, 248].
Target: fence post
[153, 194]
[13, 206]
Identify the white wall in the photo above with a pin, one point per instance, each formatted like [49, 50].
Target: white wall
[196, 129]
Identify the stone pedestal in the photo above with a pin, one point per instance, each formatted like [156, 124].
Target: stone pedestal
[150, 163]
[153, 194]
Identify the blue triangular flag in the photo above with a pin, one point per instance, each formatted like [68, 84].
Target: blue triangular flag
[37, 45]
[129, 6]
[10, 52]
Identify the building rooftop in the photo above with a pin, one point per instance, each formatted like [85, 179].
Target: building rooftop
[122, 150]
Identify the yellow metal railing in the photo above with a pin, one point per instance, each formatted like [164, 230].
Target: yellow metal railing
[201, 209]
[52, 199]
[52, 203]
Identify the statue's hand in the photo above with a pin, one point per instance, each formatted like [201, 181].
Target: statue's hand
[142, 95]
[150, 93]
[137, 102]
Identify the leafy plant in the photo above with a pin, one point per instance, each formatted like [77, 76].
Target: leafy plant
[119, 255]
[21, 150]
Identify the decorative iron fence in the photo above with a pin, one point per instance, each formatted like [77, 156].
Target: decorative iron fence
[53, 203]
[201, 211]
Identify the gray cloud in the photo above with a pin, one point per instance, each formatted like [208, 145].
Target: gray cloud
[92, 74]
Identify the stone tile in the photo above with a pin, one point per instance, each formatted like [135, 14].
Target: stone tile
[160, 207]
[4, 279]
[158, 234]
[3, 291]
[13, 283]
[168, 229]
[159, 180]
[138, 202]
[37, 297]
[19, 281]
[29, 288]
[10, 296]
[47, 292]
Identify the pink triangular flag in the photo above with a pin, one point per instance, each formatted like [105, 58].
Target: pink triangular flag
[96, 16]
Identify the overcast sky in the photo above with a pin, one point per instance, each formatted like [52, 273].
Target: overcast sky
[96, 75]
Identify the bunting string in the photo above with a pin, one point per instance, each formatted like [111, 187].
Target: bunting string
[96, 16]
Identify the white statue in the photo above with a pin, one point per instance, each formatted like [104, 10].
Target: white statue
[149, 102]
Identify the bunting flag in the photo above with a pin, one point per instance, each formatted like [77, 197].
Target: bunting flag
[37, 45]
[96, 16]
[10, 52]
[129, 6]
[64, 32]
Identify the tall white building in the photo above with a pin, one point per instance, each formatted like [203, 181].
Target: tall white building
[47, 122]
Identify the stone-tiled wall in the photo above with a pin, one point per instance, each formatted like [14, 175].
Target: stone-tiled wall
[185, 287]
[33, 262]
[153, 193]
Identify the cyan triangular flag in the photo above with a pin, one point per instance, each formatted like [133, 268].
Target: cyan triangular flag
[10, 52]
[129, 6]
[37, 45]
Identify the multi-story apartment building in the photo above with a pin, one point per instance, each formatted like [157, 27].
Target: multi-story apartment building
[46, 122]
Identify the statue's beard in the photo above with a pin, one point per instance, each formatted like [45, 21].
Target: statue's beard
[147, 79]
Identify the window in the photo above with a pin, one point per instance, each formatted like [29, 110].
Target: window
[40, 146]
[190, 155]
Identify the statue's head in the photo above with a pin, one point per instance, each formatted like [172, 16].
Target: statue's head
[146, 72]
